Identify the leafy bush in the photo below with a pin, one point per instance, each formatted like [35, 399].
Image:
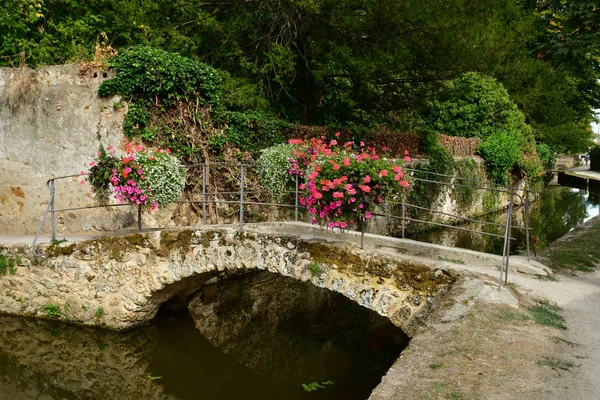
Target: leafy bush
[500, 152]
[273, 170]
[249, 131]
[546, 155]
[474, 106]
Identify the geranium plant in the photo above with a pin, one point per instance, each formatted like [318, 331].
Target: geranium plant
[144, 177]
[343, 183]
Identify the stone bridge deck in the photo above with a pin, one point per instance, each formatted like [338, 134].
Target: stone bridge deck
[122, 280]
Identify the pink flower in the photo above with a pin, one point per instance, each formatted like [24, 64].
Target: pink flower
[92, 163]
[337, 134]
[362, 144]
[404, 183]
[367, 215]
[343, 225]
[405, 152]
[361, 206]
[333, 142]
[367, 179]
[140, 172]
[331, 224]
[314, 221]
[82, 182]
[82, 172]
[346, 162]
[407, 158]
[365, 188]
[338, 195]
[302, 186]
[154, 206]
[383, 172]
[336, 166]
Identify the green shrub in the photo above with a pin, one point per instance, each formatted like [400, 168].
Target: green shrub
[500, 152]
[474, 106]
[273, 170]
[546, 155]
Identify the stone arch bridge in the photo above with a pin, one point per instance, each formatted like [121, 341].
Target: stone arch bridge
[122, 281]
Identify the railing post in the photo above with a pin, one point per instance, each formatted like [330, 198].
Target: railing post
[204, 170]
[296, 200]
[139, 219]
[53, 215]
[527, 222]
[403, 217]
[242, 197]
[510, 216]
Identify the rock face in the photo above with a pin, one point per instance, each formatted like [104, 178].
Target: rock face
[119, 282]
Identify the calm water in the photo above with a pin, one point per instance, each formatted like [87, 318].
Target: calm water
[259, 337]
[557, 211]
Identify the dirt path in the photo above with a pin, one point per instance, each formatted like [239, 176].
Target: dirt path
[579, 296]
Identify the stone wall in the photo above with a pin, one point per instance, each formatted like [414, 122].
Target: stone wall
[130, 277]
[564, 161]
[51, 124]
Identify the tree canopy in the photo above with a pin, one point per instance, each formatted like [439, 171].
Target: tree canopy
[353, 63]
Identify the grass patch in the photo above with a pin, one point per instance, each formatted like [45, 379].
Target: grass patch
[511, 315]
[556, 364]
[579, 253]
[545, 313]
[451, 260]
[436, 366]
[52, 310]
[314, 269]
[56, 242]
[444, 390]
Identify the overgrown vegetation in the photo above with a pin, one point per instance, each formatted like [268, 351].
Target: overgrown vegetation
[52, 310]
[8, 265]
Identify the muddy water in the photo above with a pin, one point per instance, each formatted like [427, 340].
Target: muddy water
[255, 336]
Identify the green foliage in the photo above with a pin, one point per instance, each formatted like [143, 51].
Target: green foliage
[315, 269]
[311, 387]
[546, 155]
[465, 196]
[99, 312]
[474, 106]
[500, 152]
[149, 73]
[249, 131]
[56, 242]
[52, 310]
[7, 265]
[273, 170]
[595, 158]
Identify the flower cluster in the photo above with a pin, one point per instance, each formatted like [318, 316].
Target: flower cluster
[343, 183]
[146, 178]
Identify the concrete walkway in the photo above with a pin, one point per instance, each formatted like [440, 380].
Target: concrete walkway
[584, 172]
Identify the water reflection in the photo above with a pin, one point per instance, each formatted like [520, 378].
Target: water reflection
[556, 211]
[266, 336]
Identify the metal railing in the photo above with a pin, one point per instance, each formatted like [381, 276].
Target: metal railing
[244, 199]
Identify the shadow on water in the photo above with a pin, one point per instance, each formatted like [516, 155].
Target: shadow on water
[254, 336]
[556, 211]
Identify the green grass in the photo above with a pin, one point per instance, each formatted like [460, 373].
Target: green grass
[451, 260]
[436, 366]
[7, 265]
[556, 363]
[314, 269]
[56, 242]
[579, 253]
[100, 312]
[545, 313]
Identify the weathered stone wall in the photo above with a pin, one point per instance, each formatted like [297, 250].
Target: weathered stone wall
[130, 277]
[564, 161]
[51, 123]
